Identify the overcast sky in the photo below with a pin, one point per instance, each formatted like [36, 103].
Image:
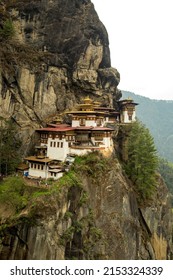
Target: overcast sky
[141, 44]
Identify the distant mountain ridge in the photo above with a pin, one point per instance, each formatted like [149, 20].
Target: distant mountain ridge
[157, 115]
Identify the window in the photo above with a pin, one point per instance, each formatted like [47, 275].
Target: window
[54, 144]
[44, 135]
[41, 167]
[99, 122]
[35, 166]
[57, 144]
[51, 143]
[61, 144]
[38, 166]
[82, 122]
[32, 165]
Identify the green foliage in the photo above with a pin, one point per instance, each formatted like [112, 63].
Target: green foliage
[166, 171]
[68, 215]
[157, 115]
[9, 147]
[12, 193]
[7, 30]
[142, 160]
[40, 193]
[92, 164]
[67, 235]
[83, 198]
[96, 233]
[16, 194]
[70, 179]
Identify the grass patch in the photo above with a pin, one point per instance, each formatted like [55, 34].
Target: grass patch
[70, 179]
[16, 194]
[13, 193]
[91, 164]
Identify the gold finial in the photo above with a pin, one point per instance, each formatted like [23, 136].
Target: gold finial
[87, 100]
[58, 119]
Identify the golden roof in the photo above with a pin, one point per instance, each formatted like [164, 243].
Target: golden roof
[37, 159]
[88, 100]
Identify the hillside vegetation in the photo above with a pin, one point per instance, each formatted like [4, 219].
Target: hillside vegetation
[157, 115]
[142, 161]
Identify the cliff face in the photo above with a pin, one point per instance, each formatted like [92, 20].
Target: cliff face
[97, 217]
[59, 53]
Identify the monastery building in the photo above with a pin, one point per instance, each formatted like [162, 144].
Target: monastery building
[91, 129]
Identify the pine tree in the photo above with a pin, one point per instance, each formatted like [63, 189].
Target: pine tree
[142, 160]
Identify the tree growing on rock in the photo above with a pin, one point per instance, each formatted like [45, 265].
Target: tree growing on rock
[142, 160]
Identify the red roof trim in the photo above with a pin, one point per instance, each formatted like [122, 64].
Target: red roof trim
[58, 125]
[55, 129]
[70, 128]
[102, 128]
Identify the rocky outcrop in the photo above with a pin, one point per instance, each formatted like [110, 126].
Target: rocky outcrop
[59, 53]
[100, 219]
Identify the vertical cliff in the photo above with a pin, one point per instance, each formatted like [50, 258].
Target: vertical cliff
[59, 53]
[92, 213]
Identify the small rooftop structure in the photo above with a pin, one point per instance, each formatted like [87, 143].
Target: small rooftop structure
[127, 110]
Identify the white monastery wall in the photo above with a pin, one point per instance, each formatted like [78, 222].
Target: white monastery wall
[90, 123]
[55, 176]
[125, 116]
[57, 149]
[35, 172]
[80, 152]
[75, 123]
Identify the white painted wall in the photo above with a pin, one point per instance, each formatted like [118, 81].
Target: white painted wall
[58, 175]
[134, 116]
[75, 123]
[107, 142]
[57, 152]
[87, 123]
[80, 152]
[126, 117]
[45, 174]
[38, 172]
[90, 123]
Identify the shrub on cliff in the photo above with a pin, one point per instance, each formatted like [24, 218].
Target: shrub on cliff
[142, 160]
[7, 30]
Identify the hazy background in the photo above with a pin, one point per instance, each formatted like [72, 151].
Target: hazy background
[141, 44]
